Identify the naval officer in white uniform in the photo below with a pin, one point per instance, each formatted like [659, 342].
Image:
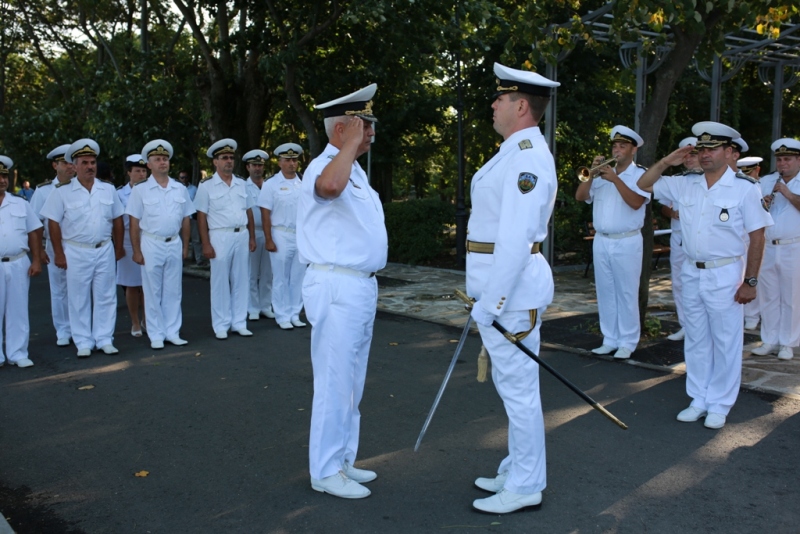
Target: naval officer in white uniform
[719, 211]
[225, 223]
[84, 214]
[278, 203]
[159, 209]
[19, 234]
[129, 273]
[260, 302]
[618, 216]
[513, 196]
[342, 236]
[59, 306]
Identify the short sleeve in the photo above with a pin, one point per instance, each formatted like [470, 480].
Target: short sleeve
[53, 208]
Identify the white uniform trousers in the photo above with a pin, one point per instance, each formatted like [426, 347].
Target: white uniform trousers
[617, 267]
[162, 275]
[229, 279]
[59, 305]
[14, 287]
[260, 299]
[676, 259]
[516, 378]
[779, 290]
[92, 292]
[714, 335]
[287, 276]
[341, 310]
[752, 310]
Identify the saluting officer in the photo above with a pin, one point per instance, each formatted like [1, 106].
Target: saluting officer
[780, 273]
[83, 215]
[513, 196]
[19, 234]
[260, 302]
[59, 307]
[342, 235]
[159, 209]
[225, 223]
[278, 203]
[129, 273]
[719, 210]
[618, 213]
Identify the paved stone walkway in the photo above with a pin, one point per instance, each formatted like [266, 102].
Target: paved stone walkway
[427, 293]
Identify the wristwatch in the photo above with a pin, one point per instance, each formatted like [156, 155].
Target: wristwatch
[752, 281]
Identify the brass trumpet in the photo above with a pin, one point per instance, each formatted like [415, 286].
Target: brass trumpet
[585, 173]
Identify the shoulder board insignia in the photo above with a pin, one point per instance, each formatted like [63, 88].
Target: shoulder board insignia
[137, 183]
[239, 177]
[46, 182]
[640, 166]
[689, 172]
[525, 144]
[331, 156]
[61, 184]
[526, 182]
[120, 187]
[109, 182]
[743, 176]
[207, 178]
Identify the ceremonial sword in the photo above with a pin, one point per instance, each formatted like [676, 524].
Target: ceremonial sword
[513, 339]
[444, 382]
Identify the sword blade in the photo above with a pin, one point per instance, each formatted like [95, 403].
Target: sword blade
[444, 382]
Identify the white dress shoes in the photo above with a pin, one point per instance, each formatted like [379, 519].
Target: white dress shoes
[244, 332]
[269, 314]
[157, 345]
[677, 336]
[690, 414]
[765, 349]
[751, 324]
[505, 501]
[492, 484]
[24, 362]
[622, 354]
[785, 353]
[221, 334]
[359, 475]
[254, 316]
[604, 349]
[109, 349]
[340, 485]
[286, 325]
[178, 342]
[714, 420]
[84, 353]
[297, 322]
[63, 342]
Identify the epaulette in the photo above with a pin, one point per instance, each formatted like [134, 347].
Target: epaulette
[46, 182]
[331, 156]
[525, 144]
[640, 166]
[687, 172]
[109, 182]
[743, 176]
[239, 177]
[120, 187]
[60, 184]
[207, 178]
[137, 183]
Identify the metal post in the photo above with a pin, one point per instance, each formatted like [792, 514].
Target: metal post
[716, 83]
[461, 208]
[551, 72]
[777, 107]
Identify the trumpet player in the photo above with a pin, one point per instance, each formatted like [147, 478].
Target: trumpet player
[618, 207]
[780, 277]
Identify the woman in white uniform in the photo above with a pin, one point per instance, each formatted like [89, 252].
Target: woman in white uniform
[129, 274]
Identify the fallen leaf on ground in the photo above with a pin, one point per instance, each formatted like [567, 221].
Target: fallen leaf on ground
[301, 409]
[393, 344]
[141, 474]
[86, 387]
[453, 341]
[197, 354]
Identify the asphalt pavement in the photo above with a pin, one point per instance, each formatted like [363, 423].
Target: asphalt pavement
[217, 432]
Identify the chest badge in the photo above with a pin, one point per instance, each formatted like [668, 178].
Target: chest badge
[723, 215]
[526, 182]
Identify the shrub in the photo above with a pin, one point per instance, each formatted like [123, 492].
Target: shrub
[418, 229]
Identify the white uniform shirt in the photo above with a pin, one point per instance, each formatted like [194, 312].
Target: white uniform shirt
[17, 220]
[512, 279]
[348, 231]
[40, 195]
[254, 192]
[85, 216]
[716, 221]
[160, 210]
[226, 206]
[281, 195]
[784, 214]
[611, 214]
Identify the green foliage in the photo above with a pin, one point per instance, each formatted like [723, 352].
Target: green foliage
[652, 327]
[418, 229]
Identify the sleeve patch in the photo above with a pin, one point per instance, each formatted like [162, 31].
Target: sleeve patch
[526, 182]
[525, 143]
